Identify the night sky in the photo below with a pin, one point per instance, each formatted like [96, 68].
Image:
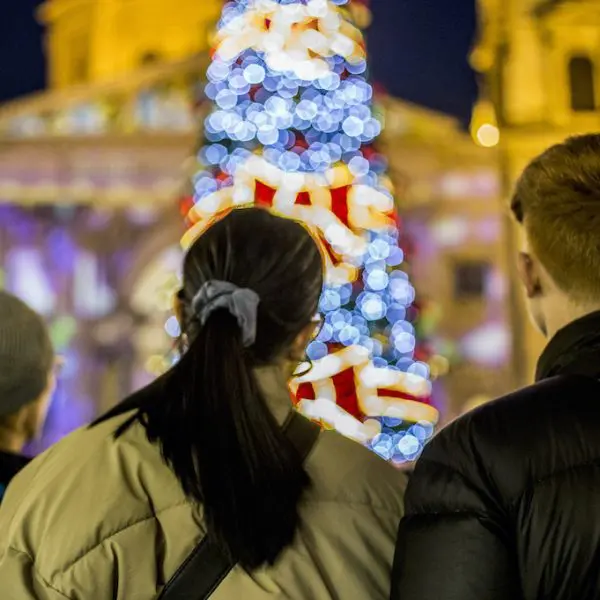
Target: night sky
[418, 51]
[21, 52]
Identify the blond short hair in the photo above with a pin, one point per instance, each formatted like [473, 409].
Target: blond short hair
[557, 199]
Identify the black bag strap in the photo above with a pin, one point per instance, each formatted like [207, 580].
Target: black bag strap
[206, 567]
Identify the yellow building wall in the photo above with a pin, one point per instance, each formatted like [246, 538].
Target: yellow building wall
[99, 40]
[68, 41]
[524, 95]
[447, 194]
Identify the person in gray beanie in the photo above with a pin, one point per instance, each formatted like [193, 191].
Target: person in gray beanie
[27, 382]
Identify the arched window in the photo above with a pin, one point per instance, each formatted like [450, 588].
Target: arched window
[582, 84]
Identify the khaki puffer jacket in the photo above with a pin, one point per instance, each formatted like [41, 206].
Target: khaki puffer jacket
[96, 518]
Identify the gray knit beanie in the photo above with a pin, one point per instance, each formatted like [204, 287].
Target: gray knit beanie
[26, 354]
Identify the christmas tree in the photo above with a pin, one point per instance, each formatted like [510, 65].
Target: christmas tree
[292, 128]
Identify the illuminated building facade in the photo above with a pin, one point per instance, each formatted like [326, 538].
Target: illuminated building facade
[448, 194]
[540, 84]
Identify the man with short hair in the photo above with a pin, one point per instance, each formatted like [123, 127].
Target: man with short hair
[27, 382]
[505, 502]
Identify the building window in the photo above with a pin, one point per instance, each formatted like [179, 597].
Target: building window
[470, 279]
[581, 76]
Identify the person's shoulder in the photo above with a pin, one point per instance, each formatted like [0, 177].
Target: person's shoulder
[345, 471]
[88, 468]
[526, 419]
[503, 446]
[75, 447]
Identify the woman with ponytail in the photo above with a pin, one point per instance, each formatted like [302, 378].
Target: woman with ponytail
[205, 457]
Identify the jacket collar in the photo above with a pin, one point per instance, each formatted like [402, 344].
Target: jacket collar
[574, 350]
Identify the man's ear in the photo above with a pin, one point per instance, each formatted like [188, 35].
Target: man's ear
[529, 274]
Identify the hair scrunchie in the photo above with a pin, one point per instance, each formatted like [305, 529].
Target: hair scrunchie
[242, 303]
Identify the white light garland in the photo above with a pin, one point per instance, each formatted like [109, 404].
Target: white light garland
[368, 209]
[295, 38]
[369, 379]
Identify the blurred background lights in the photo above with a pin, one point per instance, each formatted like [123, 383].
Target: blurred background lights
[172, 327]
[488, 135]
[409, 446]
[359, 166]
[422, 430]
[396, 312]
[349, 335]
[330, 300]
[420, 369]
[373, 308]
[377, 280]
[379, 249]
[214, 154]
[401, 290]
[254, 74]
[316, 350]
[353, 127]
[289, 161]
[384, 446]
[307, 110]
[226, 99]
[404, 342]
[396, 257]
[488, 345]
[326, 333]
[450, 232]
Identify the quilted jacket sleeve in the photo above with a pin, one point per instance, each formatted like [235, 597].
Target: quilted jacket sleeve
[20, 581]
[453, 543]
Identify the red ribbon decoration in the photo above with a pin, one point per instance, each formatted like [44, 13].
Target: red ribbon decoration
[264, 195]
[386, 393]
[339, 204]
[305, 391]
[346, 395]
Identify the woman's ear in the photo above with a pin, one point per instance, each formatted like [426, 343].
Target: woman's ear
[178, 307]
[303, 339]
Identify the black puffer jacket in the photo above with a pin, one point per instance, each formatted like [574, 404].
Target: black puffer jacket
[505, 502]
